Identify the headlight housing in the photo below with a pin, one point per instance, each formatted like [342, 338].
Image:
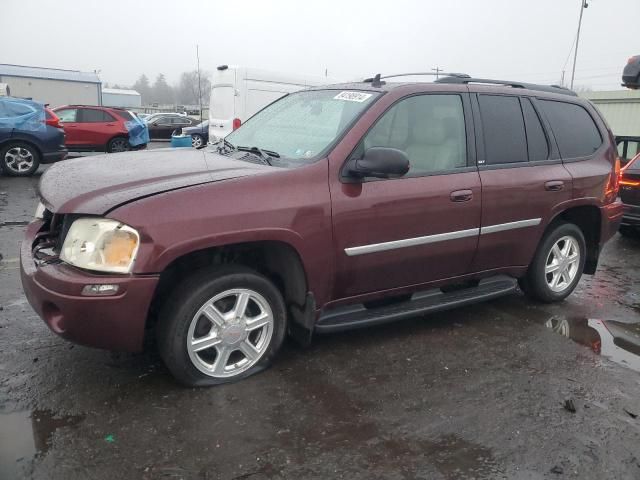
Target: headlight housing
[101, 244]
[40, 209]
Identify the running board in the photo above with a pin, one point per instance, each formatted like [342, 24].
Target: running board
[356, 316]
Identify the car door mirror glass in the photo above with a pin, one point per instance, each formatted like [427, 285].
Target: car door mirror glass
[380, 162]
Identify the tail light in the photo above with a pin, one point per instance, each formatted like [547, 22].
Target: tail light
[632, 59]
[236, 123]
[52, 119]
[626, 180]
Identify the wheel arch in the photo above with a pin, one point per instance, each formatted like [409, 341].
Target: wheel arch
[588, 218]
[33, 144]
[277, 260]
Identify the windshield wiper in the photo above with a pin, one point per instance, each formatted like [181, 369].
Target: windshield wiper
[265, 155]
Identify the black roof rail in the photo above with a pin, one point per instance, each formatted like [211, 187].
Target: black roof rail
[376, 80]
[528, 86]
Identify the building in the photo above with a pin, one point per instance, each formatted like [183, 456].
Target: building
[621, 109]
[117, 97]
[51, 85]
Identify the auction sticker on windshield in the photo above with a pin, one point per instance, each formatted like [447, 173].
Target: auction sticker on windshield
[353, 96]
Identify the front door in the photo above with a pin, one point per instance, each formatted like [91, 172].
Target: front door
[424, 226]
[69, 119]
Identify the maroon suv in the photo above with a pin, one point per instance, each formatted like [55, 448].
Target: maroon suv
[333, 208]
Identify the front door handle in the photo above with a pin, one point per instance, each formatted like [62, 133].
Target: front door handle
[554, 185]
[461, 196]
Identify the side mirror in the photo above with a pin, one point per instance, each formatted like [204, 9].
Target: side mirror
[380, 162]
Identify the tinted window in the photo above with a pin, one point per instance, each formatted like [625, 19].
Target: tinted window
[89, 115]
[124, 114]
[180, 121]
[574, 129]
[503, 127]
[67, 115]
[428, 128]
[536, 140]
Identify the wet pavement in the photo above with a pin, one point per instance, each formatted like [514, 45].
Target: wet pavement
[478, 392]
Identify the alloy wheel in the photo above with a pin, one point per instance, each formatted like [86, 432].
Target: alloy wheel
[18, 159]
[119, 145]
[196, 141]
[562, 264]
[230, 333]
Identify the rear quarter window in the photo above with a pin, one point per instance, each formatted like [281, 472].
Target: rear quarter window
[576, 133]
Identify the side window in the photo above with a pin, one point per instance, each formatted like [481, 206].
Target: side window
[67, 115]
[428, 128]
[90, 115]
[576, 133]
[537, 145]
[503, 127]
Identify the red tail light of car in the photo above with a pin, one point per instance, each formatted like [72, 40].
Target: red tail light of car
[625, 179]
[613, 184]
[52, 119]
[236, 123]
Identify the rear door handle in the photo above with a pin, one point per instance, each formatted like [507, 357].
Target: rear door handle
[554, 185]
[461, 196]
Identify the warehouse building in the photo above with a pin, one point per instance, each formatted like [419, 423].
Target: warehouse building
[621, 109]
[117, 97]
[52, 85]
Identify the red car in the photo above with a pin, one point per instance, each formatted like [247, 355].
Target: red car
[333, 208]
[91, 128]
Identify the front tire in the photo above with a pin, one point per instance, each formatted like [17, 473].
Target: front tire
[557, 265]
[19, 159]
[197, 141]
[221, 325]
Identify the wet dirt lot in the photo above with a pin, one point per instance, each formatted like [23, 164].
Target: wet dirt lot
[478, 392]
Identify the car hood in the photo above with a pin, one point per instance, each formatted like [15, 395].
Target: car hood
[96, 185]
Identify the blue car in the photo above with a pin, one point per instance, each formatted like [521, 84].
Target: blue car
[199, 134]
[30, 134]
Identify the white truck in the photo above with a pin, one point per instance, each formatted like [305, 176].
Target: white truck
[239, 92]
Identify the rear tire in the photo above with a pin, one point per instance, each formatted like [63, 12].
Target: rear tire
[557, 265]
[197, 141]
[221, 325]
[19, 159]
[118, 144]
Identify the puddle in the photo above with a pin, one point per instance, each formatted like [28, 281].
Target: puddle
[24, 434]
[618, 341]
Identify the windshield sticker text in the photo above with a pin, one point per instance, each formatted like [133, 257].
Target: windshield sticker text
[353, 96]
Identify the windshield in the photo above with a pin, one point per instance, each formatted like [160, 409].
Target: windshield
[303, 124]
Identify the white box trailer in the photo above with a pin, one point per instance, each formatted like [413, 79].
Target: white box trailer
[238, 92]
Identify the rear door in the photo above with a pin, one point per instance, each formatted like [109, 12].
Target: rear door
[222, 110]
[161, 127]
[69, 119]
[523, 179]
[97, 126]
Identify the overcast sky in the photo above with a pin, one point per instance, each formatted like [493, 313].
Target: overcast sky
[528, 40]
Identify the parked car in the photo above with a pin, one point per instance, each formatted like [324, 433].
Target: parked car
[333, 208]
[628, 147]
[93, 128]
[630, 195]
[163, 126]
[631, 73]
[238, 92]
[199, 134]
[143, 116]
[23, 148]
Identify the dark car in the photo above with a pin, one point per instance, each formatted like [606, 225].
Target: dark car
[628, 147]
[631, 73]
[103, 129]
[199, 134]
[163, 126]
[333, 208]
[630, 195]
[22, 150]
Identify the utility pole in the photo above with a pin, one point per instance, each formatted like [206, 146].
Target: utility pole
[437, 70]
[199, 82]
[583, 5]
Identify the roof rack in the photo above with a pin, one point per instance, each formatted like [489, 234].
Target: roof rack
[529, 86]
[376, 81]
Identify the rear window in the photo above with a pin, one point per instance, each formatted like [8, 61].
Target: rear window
[67, 115]
[221, 106]
[576, 133]
[123, 114]
[503, 126]
[90, 115]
